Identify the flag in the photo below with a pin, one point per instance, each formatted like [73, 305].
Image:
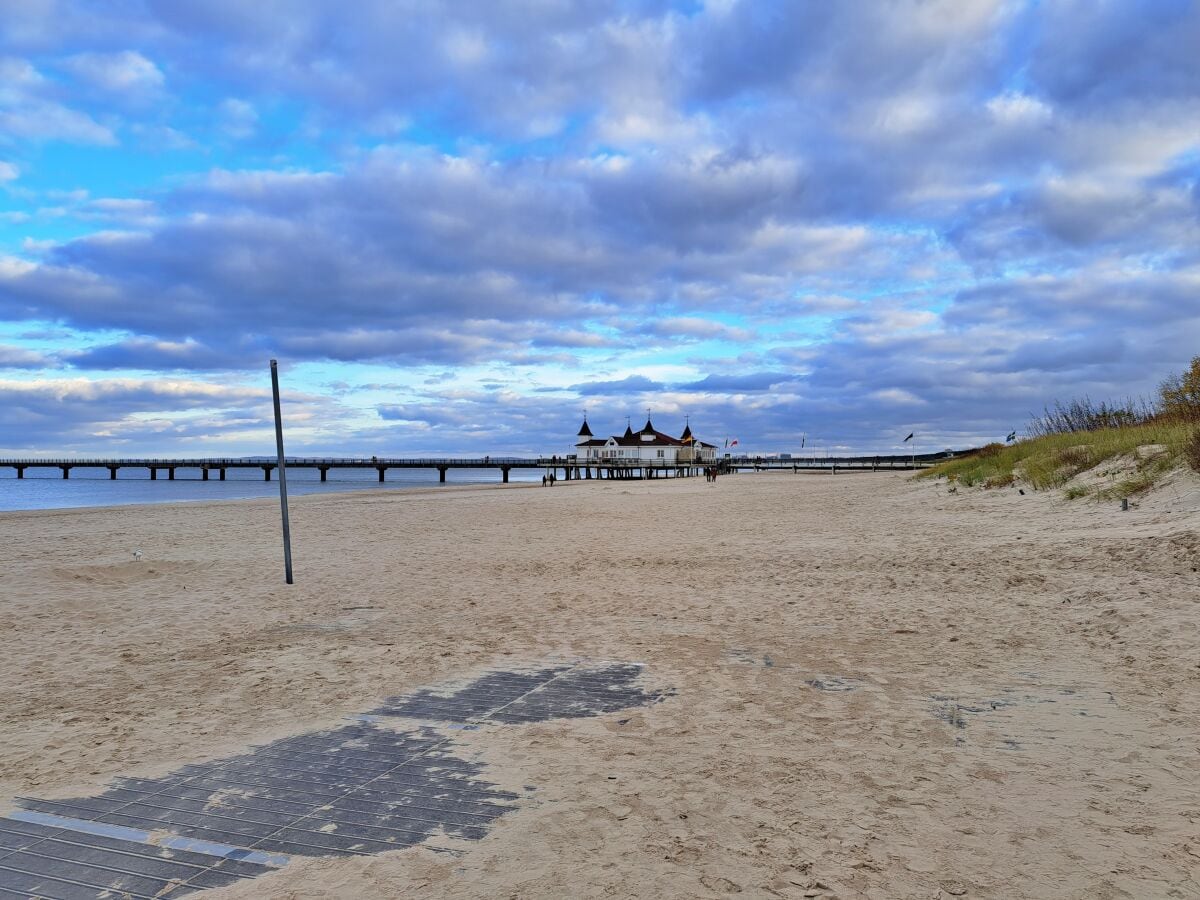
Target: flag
[726, 443]
[687, 440]
[802, 443]
[1012, 436]
[909, 438]
[733, 443]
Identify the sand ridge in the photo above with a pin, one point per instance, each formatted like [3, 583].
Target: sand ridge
[880, 689]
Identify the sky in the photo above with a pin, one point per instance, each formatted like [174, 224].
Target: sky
[459, 225]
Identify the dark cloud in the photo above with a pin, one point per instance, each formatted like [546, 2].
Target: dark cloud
[163, 356]
[72, 414]
[632, 384]
[1091, 53]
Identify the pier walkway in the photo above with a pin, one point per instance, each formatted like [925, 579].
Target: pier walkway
[570, 467]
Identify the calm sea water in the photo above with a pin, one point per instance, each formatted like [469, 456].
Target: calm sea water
[46, 488]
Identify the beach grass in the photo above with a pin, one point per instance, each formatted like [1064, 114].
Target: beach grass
[1140, 455]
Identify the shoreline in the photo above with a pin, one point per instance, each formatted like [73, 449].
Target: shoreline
[292, 499]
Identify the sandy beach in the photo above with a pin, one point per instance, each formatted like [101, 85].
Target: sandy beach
[874, 687]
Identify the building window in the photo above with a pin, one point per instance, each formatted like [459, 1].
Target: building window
[662, 454]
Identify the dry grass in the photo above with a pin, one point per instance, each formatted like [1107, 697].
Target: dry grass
[1051, 461]
[1191, 451]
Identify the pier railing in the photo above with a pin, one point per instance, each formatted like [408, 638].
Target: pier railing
[572, 467]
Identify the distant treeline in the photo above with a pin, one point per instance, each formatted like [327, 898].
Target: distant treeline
[1177, 402]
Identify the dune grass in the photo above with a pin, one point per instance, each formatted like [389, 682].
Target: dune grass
[1050, 461]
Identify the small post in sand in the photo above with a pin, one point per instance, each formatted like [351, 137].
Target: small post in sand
[287, 531]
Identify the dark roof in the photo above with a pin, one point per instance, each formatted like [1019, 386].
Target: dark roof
[630, 439]
[584, 431]
[628, 432]
[648, 428]
[687, 432]
[594, 442]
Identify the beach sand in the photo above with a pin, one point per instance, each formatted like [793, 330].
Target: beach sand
[881, 689]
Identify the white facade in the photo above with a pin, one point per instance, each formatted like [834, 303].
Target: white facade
[646, 447]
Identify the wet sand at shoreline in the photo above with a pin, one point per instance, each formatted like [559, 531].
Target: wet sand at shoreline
[878, 688]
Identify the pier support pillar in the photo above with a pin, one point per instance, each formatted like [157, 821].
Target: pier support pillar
[153, 474]
[222, 474]
[112, 473]
[20, 471]
[66, 471]
[441, 474]
[587, 473]
[504, 474]
[204, 474]
[171, 474]
[381, 470]
[324, 473]
[266, 473]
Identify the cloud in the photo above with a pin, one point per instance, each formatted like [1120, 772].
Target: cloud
[68, 413]
[140, 353]
[21, 358]
[237, 118]
[696, 328]
[1016, 110]
[629, 385]
[30, 111]
[127, 73]
[737, 384]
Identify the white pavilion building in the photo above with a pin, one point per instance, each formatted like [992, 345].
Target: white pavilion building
[648, 447]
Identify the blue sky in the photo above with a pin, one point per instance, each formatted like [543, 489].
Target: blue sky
[459, 224]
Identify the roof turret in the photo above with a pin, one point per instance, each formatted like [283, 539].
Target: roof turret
[628, 431]
[584, 431]
[687, 432]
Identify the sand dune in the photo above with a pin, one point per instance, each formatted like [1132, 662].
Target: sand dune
[878, 688]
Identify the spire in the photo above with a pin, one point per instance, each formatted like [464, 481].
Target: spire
[584, 431]
[687, 432]
[649, 429]
[628, 431]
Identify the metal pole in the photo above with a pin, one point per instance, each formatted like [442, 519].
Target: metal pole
[287, 529]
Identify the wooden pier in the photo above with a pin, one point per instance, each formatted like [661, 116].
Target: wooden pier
[216, 468]
[571, 468]
[835, 464]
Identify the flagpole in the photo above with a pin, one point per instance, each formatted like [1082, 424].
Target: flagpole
[282, 464]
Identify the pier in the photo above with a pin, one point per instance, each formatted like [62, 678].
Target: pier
[835, 464]
[567, 468]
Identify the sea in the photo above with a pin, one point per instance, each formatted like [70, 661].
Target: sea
[47, 489]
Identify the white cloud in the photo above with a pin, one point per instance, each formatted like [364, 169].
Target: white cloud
[465, 48]
[29, 109]
[1017, 109]
[237, 118]
[8, 171]
[127, 72]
